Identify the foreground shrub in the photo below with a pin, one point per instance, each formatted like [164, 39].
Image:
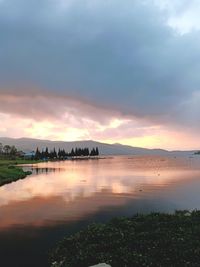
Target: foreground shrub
[144, 240]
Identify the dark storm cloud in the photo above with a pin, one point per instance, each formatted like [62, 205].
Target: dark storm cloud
[114, 53]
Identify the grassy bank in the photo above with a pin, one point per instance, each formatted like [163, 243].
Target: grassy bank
[9, 172]
[144, 240]
[6, 162]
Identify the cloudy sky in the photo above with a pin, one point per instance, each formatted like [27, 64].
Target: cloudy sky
[108, 70]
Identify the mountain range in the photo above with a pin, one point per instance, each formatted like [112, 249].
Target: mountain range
[29, 144]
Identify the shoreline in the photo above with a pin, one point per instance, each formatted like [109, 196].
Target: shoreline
[10, 172]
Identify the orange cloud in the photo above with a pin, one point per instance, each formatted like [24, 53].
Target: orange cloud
[48, 116]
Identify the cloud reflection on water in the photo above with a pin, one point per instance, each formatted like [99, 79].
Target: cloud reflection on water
[69, 190]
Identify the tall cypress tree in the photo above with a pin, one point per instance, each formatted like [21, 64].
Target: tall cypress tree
[72, 154]
[37, 154]
[92, 153]
[59, 153]
[54, 153]
[43, 154]
[97, 151]
[46, 152]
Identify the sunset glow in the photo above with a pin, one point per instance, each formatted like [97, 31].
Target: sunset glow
[99, 119]
[99, 80]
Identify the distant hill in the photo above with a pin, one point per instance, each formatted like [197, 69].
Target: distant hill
[29, 144]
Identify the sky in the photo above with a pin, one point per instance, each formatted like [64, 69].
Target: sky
[107, 70]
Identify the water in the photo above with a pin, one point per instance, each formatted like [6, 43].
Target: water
[60, 198]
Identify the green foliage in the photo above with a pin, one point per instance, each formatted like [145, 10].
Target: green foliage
[11, 173]
[7, 161]
[144, 240]
[8, 150]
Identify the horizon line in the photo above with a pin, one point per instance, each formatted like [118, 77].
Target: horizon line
[91, 140]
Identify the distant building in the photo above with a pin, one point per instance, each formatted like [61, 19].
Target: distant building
[29, 155]
[20, 154]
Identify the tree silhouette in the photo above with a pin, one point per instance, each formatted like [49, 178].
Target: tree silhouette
[1, 148]
[13, 151]
[92, 153]
[37, 154]
[72, 154]
[62, 154]
[54, 153]
[7, 149]
[46, 153]
[97, 151]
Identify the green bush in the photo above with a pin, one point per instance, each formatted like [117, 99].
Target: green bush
[11, 173]
[144, 240]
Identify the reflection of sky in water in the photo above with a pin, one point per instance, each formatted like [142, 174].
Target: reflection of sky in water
[68, 190]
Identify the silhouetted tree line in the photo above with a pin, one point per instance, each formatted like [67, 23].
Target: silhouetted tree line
[62, 154]
[7, 150]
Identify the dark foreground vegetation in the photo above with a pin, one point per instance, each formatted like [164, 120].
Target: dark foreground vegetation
[157, 240]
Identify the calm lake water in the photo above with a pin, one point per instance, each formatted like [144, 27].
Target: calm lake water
[60, 198]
